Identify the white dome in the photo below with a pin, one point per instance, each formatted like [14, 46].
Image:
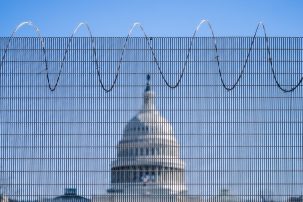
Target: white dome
[148, 123]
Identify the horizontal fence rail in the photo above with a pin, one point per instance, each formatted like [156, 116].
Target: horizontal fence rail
[182, 118]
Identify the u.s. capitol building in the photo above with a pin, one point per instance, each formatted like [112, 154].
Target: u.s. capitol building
[148, 164]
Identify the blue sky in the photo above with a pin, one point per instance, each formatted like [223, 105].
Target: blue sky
[160, 18]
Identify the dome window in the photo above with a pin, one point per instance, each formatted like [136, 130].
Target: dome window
[153, 151]
[131, 152]
[136, 151]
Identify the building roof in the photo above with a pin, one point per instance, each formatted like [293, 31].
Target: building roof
[70, 194]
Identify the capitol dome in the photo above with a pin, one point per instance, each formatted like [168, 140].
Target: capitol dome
[148, 123]
[148, 155]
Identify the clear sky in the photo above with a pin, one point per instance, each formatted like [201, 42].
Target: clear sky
[160, 18]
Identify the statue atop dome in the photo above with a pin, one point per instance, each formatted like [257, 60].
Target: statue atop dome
[147, 84]
[149, 96]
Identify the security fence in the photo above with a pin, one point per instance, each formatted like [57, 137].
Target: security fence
[113, 118]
